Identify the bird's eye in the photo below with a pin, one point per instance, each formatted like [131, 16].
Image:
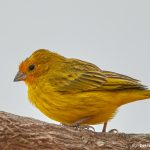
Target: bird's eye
[31, 67]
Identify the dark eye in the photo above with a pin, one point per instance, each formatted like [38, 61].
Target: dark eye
[31, 67]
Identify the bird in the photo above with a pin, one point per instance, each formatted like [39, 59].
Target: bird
[75, 92]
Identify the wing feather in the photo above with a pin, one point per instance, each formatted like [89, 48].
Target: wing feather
[91, 78]
[86, 81]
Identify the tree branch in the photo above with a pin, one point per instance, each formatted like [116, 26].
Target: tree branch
[22, 133]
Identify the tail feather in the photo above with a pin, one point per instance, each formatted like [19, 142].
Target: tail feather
[135, 95]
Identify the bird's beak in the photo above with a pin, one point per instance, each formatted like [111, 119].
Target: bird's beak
[20, 76]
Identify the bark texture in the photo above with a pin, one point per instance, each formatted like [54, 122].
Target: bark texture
[22, 133]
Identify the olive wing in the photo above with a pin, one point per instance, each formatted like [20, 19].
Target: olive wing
[101, 80]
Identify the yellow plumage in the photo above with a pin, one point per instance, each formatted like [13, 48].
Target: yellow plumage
[68, 90]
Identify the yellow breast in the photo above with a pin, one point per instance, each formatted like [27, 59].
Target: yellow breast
[68, 108]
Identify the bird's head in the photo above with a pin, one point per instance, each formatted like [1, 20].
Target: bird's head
[36, 65]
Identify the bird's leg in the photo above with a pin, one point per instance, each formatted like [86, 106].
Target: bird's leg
[111, 131]
[104, 127]
[81, 121]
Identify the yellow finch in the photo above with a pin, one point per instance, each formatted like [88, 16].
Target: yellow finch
[72, 91]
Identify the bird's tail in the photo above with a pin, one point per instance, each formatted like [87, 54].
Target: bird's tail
[135, 96]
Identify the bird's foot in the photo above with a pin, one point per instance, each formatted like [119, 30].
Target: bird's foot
[79, 127]
[87, 127]
[113, 131]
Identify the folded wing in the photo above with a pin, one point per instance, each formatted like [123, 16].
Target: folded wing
[88, 77]
[97, 80]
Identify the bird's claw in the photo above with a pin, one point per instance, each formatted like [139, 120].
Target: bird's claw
[113, 131]
[77, 126]
[87, 127]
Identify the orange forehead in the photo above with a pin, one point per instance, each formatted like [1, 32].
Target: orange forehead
[24, 65]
